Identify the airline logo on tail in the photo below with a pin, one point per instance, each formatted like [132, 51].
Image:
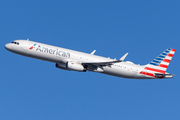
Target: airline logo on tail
[159, 64]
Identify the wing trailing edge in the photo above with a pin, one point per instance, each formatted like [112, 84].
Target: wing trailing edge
[104, 63]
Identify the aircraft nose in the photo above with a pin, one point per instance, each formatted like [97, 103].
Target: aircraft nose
[7, 46]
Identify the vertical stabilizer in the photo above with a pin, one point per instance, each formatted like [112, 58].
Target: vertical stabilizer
[161, 62]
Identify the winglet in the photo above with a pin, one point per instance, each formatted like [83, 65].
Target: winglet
[123, 57]
[92, 53]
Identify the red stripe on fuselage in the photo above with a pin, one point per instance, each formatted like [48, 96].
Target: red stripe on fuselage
[150, 74]
[155, 70]
[146, 73]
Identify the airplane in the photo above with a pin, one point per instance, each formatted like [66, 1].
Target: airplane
[71, 60]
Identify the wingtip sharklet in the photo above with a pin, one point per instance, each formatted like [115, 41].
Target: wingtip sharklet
[123, 57]
[92, 53]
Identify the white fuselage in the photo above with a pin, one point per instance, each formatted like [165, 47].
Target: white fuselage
[60, 55]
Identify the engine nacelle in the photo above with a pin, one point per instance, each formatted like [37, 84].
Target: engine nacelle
[71, 66]
[61, 66]
[75, 66]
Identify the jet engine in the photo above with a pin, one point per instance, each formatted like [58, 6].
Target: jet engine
[61, 66]
[75, 66]
[71, 66]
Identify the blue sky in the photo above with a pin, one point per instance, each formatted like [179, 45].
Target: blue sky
[35, 89]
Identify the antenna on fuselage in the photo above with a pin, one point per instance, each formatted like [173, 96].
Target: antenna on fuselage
[28, 39]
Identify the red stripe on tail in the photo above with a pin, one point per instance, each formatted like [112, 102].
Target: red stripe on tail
[155, 70]
[162, 65]
[173, 50]
[170, 55]
[166, 60]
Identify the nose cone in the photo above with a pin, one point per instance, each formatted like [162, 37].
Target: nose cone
[8, 46]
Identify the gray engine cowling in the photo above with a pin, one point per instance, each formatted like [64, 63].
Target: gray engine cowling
[71, 66]
[75, 66]
[61, 66]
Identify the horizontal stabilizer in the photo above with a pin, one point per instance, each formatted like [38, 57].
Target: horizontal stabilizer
[158, 75]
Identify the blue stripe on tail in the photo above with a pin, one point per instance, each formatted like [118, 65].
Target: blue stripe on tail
[160, 58]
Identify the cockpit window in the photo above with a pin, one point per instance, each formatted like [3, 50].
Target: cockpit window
[15, 43]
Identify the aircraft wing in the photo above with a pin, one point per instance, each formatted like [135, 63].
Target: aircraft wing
[100, 63]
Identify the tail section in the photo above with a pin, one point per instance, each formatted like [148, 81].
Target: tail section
[157, 68]
[162, 61]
